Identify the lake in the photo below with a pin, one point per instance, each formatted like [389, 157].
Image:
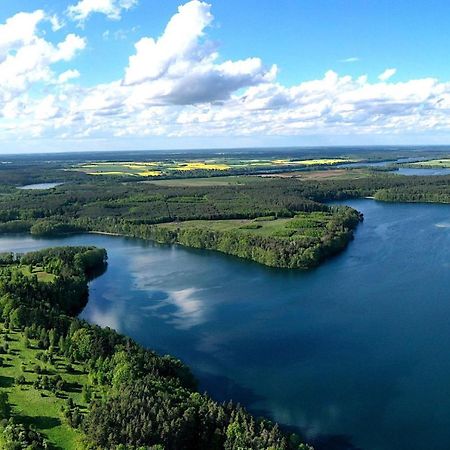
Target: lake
[355, 353]
[40, 186]
[383, 163]
[408, 171]
[411, 171]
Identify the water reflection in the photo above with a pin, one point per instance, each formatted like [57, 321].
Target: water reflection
[354, 353]
[180, 308]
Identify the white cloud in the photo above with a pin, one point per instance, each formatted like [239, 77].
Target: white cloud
[68, 48]
[328, 106]
[388, 73]
[31, 61]
[68, 75]
[55, 22]
[110, 8]
[176, 86]
[47, 108]
[178, 45]
[352, 59]
[182, 68]
[19, 30]
[26, 61]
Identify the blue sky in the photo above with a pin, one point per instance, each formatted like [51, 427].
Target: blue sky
[228, 73]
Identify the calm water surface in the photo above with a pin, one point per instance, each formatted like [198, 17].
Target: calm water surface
[409, 171]
[382, 163]
[422, 171]
[40, 186]
[355, 353]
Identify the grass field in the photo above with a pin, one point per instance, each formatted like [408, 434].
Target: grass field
[39, 408]
[433, 163]
[39, 272]
[302, 225]
[154, 169]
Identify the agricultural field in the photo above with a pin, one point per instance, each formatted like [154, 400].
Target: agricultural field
[330, 174]
[179, 168]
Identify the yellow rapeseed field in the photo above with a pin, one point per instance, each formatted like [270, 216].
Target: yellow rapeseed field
[197, 165]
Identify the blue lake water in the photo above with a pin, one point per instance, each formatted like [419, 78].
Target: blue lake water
[422, 171]
[355, 353]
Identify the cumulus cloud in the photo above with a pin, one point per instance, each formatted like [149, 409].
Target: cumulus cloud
[388, 73]
[68, 75]
[26, 61]
[177, 86]
[27, 57]
[178, 45]
[112, 9]
[181, 68]
[18, 31]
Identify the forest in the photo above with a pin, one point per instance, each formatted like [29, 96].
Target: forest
[135, 209]
[66, 383]
[100, 389]
[171, 213]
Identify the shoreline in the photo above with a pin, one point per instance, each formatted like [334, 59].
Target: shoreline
[106, 233]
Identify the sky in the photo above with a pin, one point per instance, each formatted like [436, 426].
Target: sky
[165, 74]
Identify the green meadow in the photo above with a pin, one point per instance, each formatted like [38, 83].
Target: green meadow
[302, 225]
[42, 409]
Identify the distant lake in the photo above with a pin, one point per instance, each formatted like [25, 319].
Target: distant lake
[422, 171]
[38, 186]
[355, 353]
[409, 171]
[381, 163]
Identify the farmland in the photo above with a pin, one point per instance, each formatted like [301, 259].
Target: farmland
[167, 168]
[329, 174]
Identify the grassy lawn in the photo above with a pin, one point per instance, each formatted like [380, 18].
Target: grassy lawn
[40, 408]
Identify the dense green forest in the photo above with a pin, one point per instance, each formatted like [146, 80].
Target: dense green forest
[99, 389]
[301, 242]
[135, 209]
